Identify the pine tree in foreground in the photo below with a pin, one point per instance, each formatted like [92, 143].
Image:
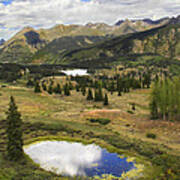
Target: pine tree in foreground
[14, 132]
[106, 102]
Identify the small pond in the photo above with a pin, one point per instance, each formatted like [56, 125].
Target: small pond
[76, 159]
[76, 72]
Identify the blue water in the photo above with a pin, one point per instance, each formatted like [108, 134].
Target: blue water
[76, 159]
[110, 163]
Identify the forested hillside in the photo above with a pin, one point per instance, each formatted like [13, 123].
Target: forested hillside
[163, 41]
[23, 45]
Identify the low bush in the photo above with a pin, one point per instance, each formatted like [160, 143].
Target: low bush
[130, 112]
[151, 135]
[100, 121]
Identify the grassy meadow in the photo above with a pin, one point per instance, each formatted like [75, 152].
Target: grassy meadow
[67, 117]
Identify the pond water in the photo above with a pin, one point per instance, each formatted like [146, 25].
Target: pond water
[76, 72]
[76, 159]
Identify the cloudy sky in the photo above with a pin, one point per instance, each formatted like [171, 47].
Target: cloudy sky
[16, 14]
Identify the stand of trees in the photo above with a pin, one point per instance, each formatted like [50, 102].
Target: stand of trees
[165, 99]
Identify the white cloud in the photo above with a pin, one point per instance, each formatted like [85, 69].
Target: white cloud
[46, 13]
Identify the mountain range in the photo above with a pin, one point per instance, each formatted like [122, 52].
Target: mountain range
[65, 44]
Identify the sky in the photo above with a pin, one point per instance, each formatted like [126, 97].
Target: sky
[17, 14]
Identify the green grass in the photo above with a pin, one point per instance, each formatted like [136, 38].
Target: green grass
[59, 117]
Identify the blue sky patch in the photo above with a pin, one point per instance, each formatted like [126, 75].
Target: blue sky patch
[6, 2]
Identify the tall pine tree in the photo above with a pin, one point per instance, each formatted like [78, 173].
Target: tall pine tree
[14, 132]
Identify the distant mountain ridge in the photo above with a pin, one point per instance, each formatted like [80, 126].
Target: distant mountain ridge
[163, 41]
[147, 21]
[26, 44]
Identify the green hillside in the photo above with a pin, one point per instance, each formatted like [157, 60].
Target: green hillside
[21, 47]
[53, 52]
[163, 41]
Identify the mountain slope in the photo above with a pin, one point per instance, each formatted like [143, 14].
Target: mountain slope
[163, 41]
[53, 51]
[23, 46]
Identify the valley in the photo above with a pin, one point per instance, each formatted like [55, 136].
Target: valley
[93, 101]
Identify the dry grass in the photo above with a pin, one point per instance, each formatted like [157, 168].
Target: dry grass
[75, 110]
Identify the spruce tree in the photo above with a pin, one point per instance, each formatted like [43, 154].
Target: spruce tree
[77, 87]
[14, 132]
[133, 106]
[100, 94]
[30, 83]
[106, 102]
[90, 95]
[37, 88]
[44, 87]
[57, 89]
[70, 86]
[83, 90]
[112, 87]
[66, 90]
[50, 89]
[96, 95]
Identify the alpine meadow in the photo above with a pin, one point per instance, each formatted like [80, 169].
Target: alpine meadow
[89, 90]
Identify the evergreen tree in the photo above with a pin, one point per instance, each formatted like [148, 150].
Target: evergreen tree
[83, 90]
[70, 86]
[44, 86]
[37, 88]
[90, 95]
[119, 93]
[57, 89]
[106, 102]
[112, 87]
[50, 89]
[14, 132]
[30, 83]
[77, 87]
[96, 95]
[66, 90]
[100, 94]
[133, 106]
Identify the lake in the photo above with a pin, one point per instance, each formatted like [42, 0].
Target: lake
[76, 72]
[76, 159]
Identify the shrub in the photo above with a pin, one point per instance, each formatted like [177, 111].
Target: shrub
[151, 135]
[130, 112]
[100, 121]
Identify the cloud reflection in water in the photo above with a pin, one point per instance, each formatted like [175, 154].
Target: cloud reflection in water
[63, 157]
